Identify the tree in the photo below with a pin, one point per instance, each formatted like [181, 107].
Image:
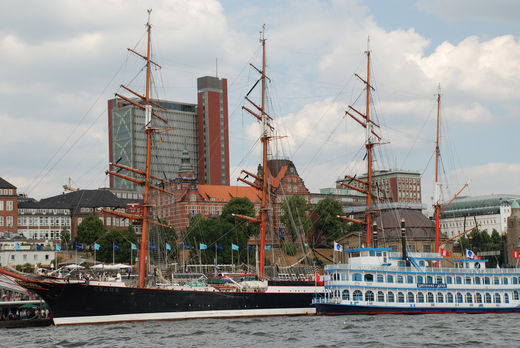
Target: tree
[90, 229]
[158, 238]
[478, 241]
[295, 216]
[123, 239]
[65, 236]
[328, 224]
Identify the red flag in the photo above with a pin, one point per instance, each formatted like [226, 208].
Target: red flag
[516, 255]
[318, 280]
[444, 253]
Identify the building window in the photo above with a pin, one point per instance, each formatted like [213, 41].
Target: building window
[9, 205]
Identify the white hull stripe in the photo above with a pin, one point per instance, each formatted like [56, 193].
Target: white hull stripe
[183, 315]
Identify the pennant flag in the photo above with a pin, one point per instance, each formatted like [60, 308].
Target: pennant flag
[152, 247]
[39, 246]
[79, 246]
[338, 247]
[17, 246]
[168, 246]
[219, 247]
[267, 247]
[58, 247]
[133, 246]
[249, 247]
[470, 254]
[203, 246]
[516, 255]
[116, 246]
[234, 246]
[96, 246]
[280, 233]
[186, 247]
[444, 253]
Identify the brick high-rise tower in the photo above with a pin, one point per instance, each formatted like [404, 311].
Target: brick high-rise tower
[213, 131]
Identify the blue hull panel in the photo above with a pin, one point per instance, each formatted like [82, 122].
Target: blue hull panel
[337, 309]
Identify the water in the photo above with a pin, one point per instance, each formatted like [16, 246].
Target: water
[453, 330]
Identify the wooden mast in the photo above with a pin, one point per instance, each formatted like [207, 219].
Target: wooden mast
[437, 203]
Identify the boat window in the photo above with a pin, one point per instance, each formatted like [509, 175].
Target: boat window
[419, 279]
[487, 297]
[369, 277]
[506, 298]
[346, 295]
[400, 297]
[496, 281]
[409, 279]
[369, 296]
[401, 263]
[515, 280]
[429, 280]
[422, 263]
[449, 297]
[515, 295]
[420, 297]
[460, 299]
[478, 298]
[380, 278]
[357, 277]
[487, 280]
[440, 297]
[357, 295]
[429, 297]
[469, 298]
[390, 296]
[411, 297]
[439, 280]
[505, 281]
[344, 275]
[400, 279]
[336, 293]
[379, 253]
[458, 280]
[380, 296]
[477, 280]
[497, 298]
[389, 278]
[467, 280]
[449, 280]
[372, 253]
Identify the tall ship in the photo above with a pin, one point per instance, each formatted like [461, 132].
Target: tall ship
[377, 280]
[84, 301]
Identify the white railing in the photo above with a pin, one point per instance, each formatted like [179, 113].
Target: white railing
[347, 267]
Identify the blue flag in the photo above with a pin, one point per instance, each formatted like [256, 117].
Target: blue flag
[168, 246]
[133, 246]
[116, 246]
[220, 247]
[186, 247]
[96, 246]
[267, 247]
[79, 246]
[152, 247]
[58, 247]
[39, 246]
[280, 233]
[249, 247]
[17, 246]
[203, 246]
[234, 246]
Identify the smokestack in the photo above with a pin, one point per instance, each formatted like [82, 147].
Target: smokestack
[403, 239]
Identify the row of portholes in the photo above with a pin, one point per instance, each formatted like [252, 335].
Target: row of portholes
[421, 297]
[390, 278]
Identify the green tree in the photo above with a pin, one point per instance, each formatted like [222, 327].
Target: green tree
[158, 237]
[123, 239]
[295, 216]
[90, 229]
[328, 224]
[478, 241]
[65, 237]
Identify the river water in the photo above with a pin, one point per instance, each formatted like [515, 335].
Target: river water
[453, 330]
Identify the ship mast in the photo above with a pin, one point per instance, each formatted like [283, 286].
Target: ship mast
[371, 139]
[437, 203]
[263, 180]
[143, 217]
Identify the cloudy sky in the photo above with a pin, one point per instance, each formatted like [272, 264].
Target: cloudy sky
[62, 60]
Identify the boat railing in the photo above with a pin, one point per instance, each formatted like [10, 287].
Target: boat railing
[347, 267]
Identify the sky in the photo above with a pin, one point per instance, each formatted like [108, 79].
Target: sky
[62, 60]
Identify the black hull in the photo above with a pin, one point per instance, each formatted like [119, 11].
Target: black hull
[335, 309]
[79, 303]
[15, 324]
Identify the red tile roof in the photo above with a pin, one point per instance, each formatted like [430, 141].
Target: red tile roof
[222, 193]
